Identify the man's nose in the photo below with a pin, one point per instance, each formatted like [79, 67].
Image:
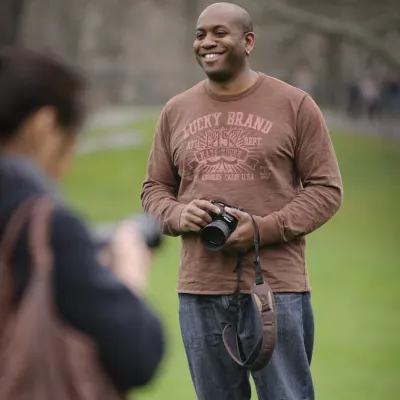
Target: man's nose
[208, 42]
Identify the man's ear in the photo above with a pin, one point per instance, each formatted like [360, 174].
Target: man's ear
[249, 42]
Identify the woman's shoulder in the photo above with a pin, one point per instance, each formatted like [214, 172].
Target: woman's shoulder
[69, 226]
[66, 224]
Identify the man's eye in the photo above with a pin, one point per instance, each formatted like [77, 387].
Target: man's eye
[220, 33]
[199, 36]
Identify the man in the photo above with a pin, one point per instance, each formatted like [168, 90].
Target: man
[253, 141]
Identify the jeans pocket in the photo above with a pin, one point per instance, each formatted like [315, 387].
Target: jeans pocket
[200, 327]
[283, 298]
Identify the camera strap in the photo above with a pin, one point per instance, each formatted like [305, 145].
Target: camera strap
[264, 307]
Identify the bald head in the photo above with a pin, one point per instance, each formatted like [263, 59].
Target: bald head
[229, 12]
[224, 40]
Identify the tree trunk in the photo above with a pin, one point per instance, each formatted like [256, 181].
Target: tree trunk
[190, 17]
[333, 79]
[10, 14]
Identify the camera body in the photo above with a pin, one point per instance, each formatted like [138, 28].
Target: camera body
[214, 235]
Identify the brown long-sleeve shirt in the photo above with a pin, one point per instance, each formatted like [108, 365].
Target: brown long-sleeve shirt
[267, 149]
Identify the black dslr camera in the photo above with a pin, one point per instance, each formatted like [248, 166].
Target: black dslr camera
[147, 225]
[214, 235]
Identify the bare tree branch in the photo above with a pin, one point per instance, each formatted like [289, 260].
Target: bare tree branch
[323, 25]
[385, 22]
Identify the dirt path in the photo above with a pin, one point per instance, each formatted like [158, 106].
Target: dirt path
[339, 121]
[116, 117]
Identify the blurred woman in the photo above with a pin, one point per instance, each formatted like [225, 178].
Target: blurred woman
[42, 108]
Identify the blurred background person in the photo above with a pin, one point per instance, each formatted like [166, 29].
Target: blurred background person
[42, 108]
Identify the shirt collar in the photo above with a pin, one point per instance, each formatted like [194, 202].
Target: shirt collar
[27, 168]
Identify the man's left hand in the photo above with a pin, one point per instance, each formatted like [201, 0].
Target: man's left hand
[242, 238]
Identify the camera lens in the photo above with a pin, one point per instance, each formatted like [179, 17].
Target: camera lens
[146, 224]
[149, 229]
[214, 235]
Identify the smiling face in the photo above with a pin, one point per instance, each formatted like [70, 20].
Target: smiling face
[222, 44]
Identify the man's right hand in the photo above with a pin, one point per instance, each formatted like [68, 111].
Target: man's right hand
[195, 215]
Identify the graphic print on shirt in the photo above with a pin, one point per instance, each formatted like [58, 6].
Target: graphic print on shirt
[225, 147]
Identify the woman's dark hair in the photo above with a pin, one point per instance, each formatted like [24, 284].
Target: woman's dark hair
[29, 81]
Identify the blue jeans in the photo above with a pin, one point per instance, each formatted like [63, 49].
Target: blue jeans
[217, 377]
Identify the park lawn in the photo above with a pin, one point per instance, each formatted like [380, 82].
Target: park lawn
[354, 263]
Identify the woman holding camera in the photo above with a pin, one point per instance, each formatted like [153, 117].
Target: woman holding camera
[41, 113]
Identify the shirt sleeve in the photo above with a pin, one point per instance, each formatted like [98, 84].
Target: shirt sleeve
[160, 189]
[128, 334]
[317, 167]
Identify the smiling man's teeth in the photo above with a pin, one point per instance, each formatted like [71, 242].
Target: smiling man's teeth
[210, 56]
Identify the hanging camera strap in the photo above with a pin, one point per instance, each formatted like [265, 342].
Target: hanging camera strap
[264, 307]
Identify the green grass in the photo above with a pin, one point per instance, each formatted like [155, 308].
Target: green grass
[354, 262]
